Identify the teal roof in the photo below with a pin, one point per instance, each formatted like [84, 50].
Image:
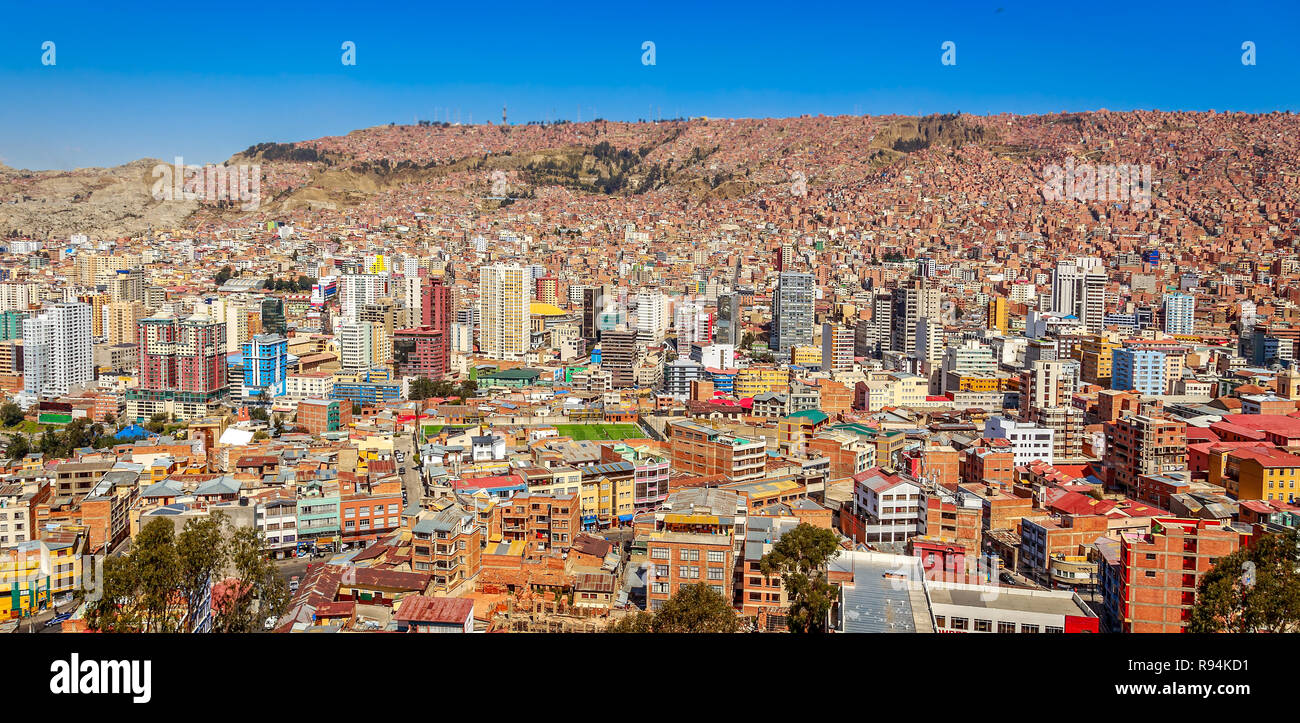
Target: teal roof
[812, 415]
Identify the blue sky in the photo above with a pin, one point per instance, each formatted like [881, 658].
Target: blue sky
[206, 80]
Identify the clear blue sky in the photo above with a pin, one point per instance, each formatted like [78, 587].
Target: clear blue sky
[205, 80]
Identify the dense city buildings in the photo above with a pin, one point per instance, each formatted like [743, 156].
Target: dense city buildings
[648, 361]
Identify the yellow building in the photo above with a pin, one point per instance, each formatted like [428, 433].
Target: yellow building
[807, 356]
[33, 573]
[756, 380]
[1258, 473]
[977, 384]
[999, 314]
[1094, 355]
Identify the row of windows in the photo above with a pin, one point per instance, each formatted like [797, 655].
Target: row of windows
[378, 510]
[986, 626]
[365, 523]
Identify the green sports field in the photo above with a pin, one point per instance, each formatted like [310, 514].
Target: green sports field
[600, 431]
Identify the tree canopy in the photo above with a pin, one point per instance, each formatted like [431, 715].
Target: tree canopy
[162, 585]
[1255, 589]
[694, 608]
[800, 558]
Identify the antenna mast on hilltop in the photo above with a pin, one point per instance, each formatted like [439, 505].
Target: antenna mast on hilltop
[503, 115]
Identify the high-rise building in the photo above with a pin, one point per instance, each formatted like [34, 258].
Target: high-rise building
[1048, 383]
[1096, 354]
[929, 340]
[651, 317]
[1139, 369]
[548, 289]
[362, 345]
[357, 290]
[123, 318]
[266, 365]
[182, 367]
[792, 313]
[728, 329]
[594, 301]
[910, 303]
[618, 352]
[837, 347]
[421, 352]
[504, 296]
[999, 314]
[435, 304]
[694, 324]
[1180, 312]
[58, 352]
[1079, 289]
[273, 321]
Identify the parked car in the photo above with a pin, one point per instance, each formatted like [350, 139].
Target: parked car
[293, 584]
[269, 624]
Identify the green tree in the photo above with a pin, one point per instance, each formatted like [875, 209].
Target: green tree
[800, 557]
[224, 275]
[11, 414]
[19, 447]
[1254, 590]
[255, 592]
[694, 608]
[157, 423]
[115, 610]
[202, 554]
[639, 622]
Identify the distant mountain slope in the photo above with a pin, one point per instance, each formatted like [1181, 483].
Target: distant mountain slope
[697, 159]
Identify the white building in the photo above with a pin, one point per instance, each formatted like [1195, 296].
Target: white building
[504, 295]
[1180, 311]
[892, 507]
[58, 352]
[651, 317]
[694, 324]
[1029, 442]
[357, 290]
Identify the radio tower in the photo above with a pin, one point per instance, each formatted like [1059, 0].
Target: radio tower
[503, 115]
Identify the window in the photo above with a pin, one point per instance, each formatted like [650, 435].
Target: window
[1052, 629]
[717, 556]
[983, 626]
[690, 572]
[940, 621]
[1024, 628]
[661, 571]
[959, 623]
[659, 553]
[715, 573]
[691, 555]
[1004, 627]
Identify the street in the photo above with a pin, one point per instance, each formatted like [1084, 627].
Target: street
[36, 623]
[411, 481]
